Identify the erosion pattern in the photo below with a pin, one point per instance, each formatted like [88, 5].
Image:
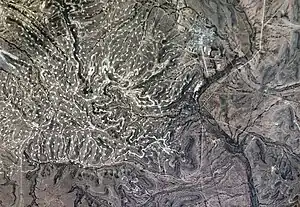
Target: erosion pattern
[149, 103]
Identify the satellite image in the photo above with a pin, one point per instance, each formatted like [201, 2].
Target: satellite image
[149, 103]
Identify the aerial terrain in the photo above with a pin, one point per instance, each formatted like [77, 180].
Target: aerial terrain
[149, 103]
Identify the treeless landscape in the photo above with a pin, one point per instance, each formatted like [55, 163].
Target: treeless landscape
[149, 103]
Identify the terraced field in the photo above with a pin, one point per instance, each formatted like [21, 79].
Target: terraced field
[145, 103]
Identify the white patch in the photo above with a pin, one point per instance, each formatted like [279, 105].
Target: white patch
[8, 54]
[198, 86]
[3, 61]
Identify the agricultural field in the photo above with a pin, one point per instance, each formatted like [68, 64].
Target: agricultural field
[149, 103]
